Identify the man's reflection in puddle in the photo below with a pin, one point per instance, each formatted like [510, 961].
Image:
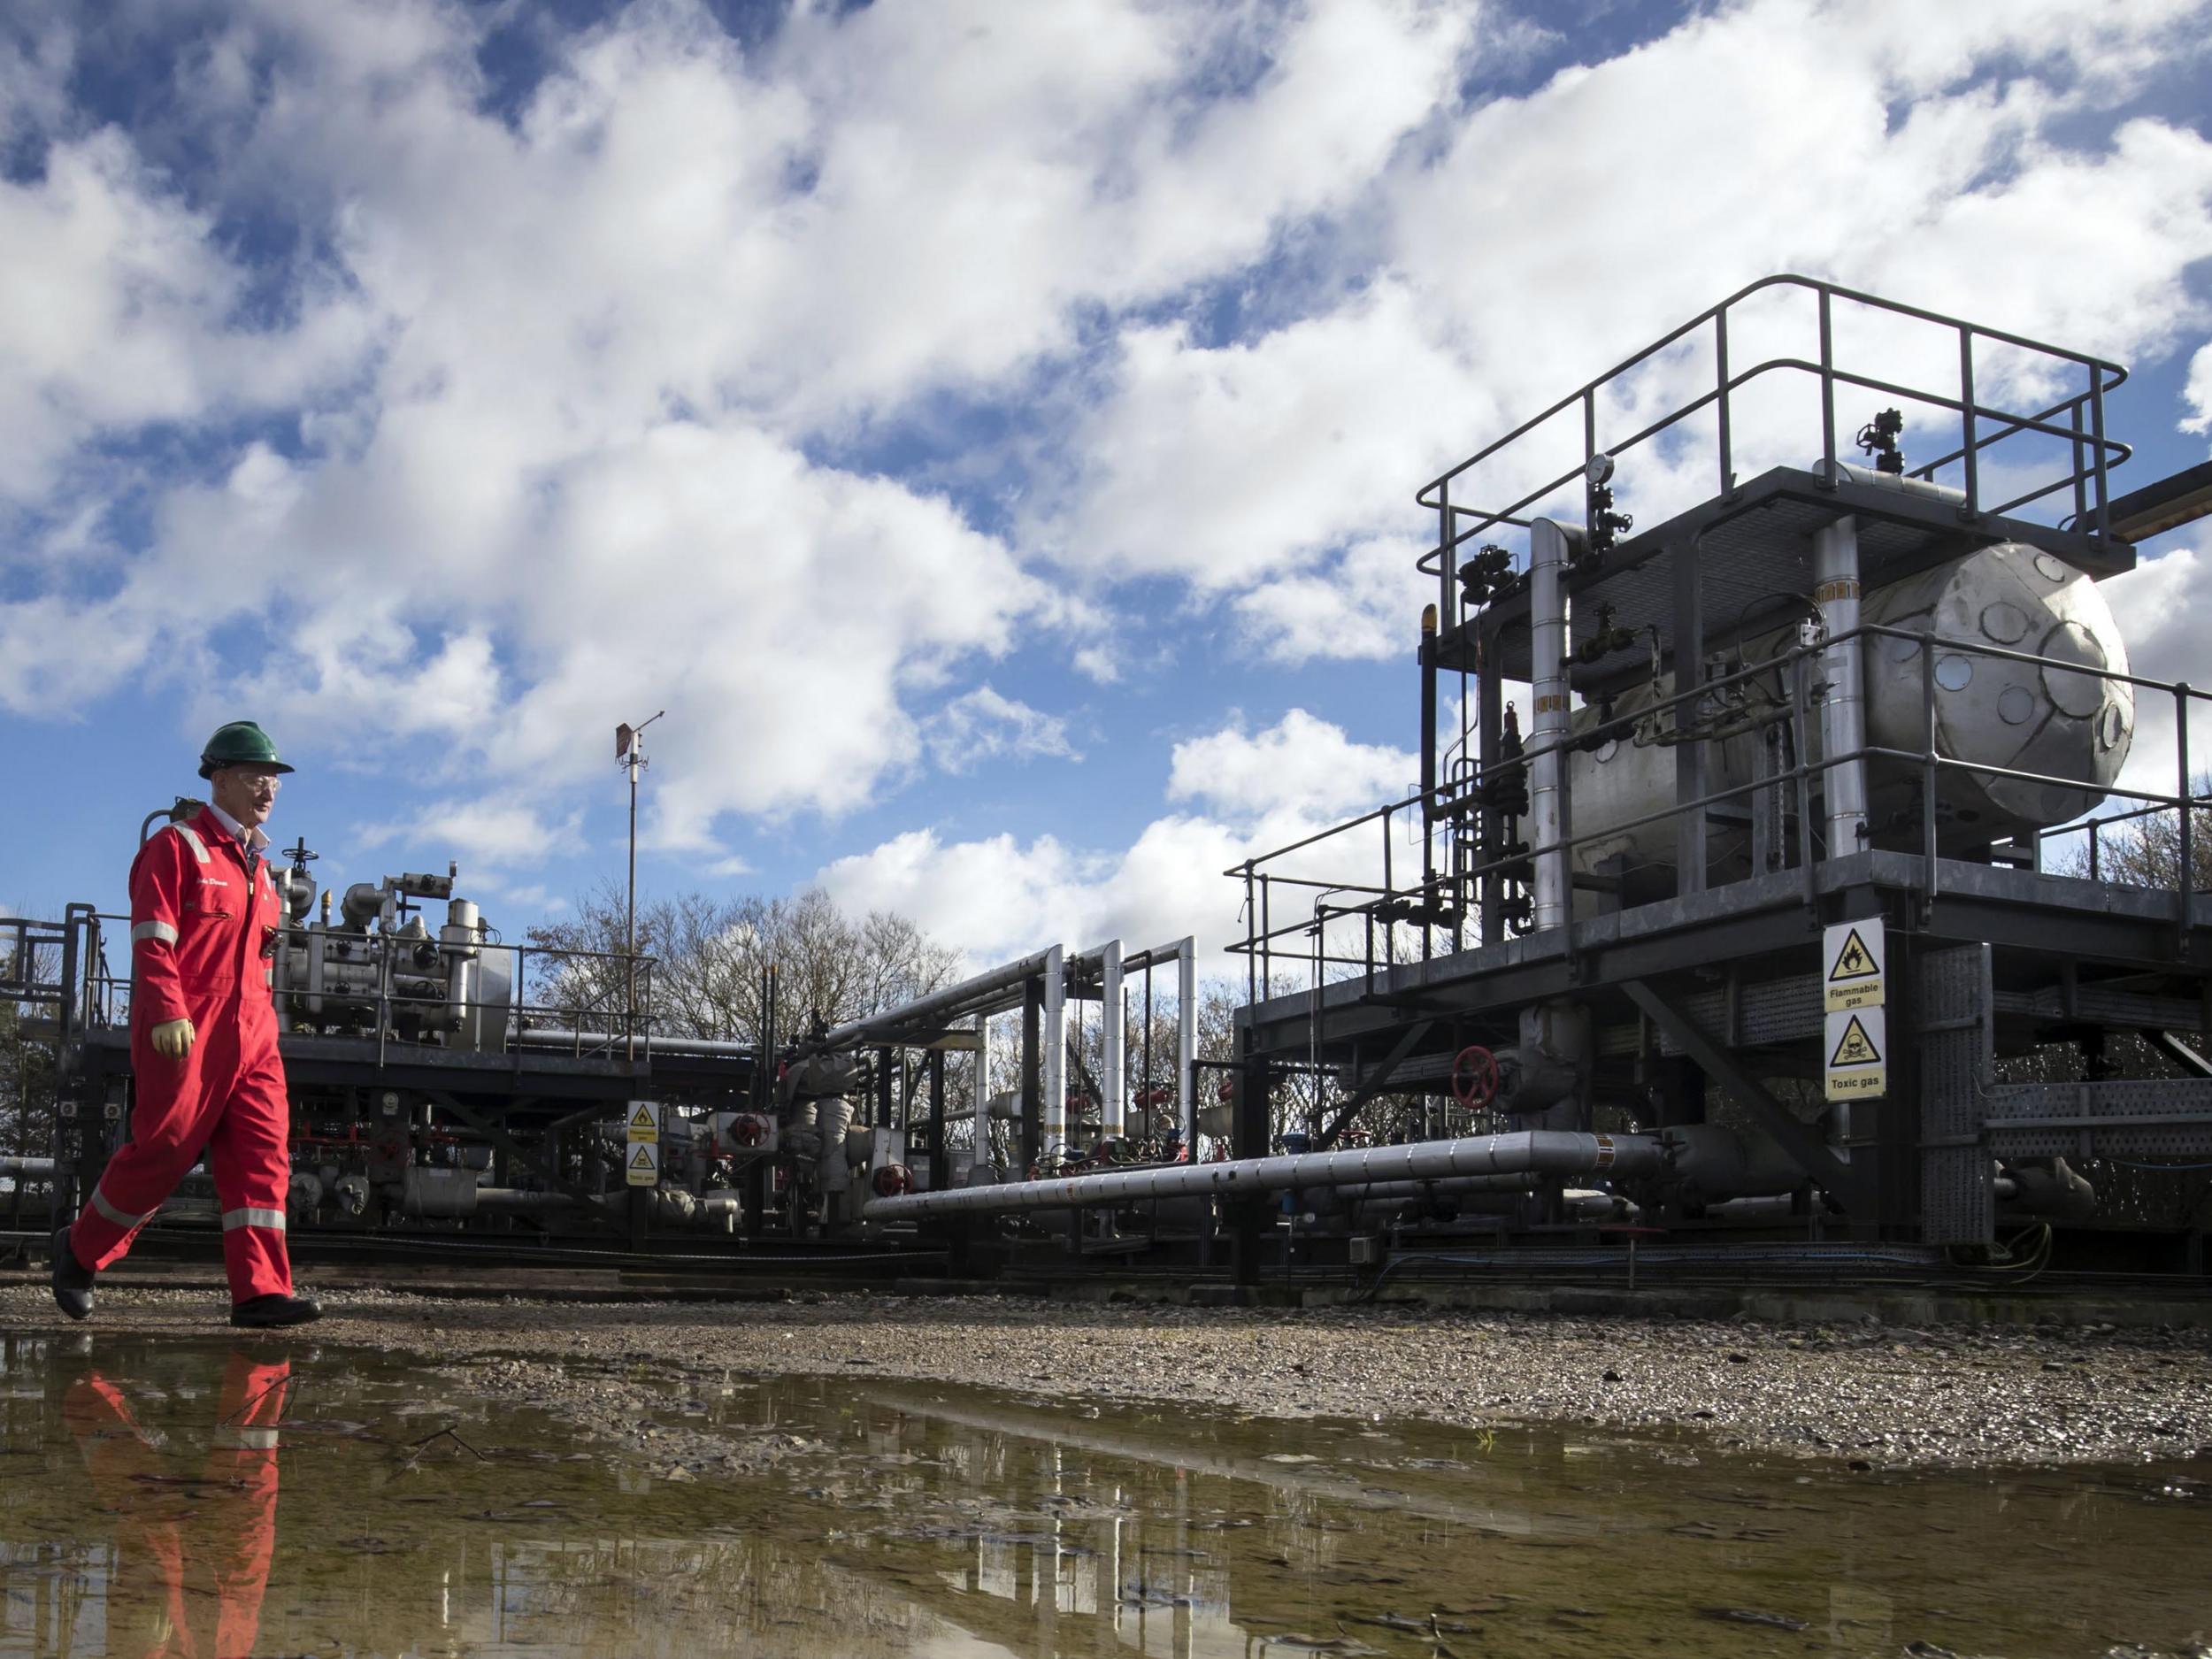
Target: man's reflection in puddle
[192, 1551]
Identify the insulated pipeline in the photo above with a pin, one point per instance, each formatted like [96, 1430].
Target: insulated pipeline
[1530, 1152]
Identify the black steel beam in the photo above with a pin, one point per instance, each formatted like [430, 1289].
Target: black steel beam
[1409, 1039]
[1793, 1137]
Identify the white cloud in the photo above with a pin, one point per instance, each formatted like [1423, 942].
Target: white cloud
[2163, 607]
[1301, 766]
[983, 726]
[1364, 603]
[998, 897]
[2198, 393]
[493, 833]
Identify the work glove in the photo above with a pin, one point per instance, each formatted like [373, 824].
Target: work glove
[173, 1038]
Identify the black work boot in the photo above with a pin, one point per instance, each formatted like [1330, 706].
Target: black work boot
[267, 1313]
[73, 1280]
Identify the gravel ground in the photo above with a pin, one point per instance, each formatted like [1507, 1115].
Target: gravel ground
[1873, 1394]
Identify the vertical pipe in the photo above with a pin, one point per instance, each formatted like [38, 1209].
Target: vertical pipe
[1110, 1080]
[1030, 1151]
[1966, 397]
[1843, 710]
[1427, 658]
[2185, 875]
[1727, 446]
[1055, 1055]
[981, 1157]
[1186, 1041]
[1829, 476]
[2103, 480]
[1493, 827]
[1928, 766]
[1548, 676]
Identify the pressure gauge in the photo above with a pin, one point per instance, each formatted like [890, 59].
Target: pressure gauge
[1598, 469]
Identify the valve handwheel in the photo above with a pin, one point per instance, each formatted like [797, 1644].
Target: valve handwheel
[1475, 1077]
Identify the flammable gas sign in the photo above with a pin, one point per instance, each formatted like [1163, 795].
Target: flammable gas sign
[644, 1120]
[1857, 1043]
[1851, 960]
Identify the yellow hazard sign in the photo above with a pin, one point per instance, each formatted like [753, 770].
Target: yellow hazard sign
[644, 1120]
[1858, 1041]
[643, 1167]
[1851, 964]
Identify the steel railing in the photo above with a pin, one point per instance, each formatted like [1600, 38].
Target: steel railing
[2075, 420]
[1446, 902]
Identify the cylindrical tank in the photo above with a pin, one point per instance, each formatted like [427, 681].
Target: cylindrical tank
[1989, 711]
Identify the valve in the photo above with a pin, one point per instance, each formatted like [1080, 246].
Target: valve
[891, 1180]
[1606, 528]
[1878, 438]
[1475, 1077]
[1605, 639]
[1486, 574]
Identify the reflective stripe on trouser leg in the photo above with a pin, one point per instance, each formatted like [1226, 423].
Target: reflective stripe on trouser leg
[249, 1156]
[120, 1218]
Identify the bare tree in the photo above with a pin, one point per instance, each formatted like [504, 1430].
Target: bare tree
[709, 957]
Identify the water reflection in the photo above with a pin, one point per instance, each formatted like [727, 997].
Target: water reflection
[142, 1516]
[195, 1523]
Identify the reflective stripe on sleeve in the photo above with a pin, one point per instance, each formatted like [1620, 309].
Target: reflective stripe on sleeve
[160, 931]
[245, 1439]
[252, 1216]
[100, 1203]
[192, 840]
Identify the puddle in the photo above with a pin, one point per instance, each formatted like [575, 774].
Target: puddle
[210, 1500]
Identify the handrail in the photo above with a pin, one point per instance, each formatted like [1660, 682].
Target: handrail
[2103, 376]
[1261, 934]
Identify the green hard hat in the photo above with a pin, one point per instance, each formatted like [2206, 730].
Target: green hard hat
[241, 743]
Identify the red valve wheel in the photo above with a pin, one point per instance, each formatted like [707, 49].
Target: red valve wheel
[747, 1132]
[892, 1179]
[1475, 1077]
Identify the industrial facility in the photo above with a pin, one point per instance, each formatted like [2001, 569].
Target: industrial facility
[1752, 914]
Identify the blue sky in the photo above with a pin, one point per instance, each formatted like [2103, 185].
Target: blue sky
[990, 430]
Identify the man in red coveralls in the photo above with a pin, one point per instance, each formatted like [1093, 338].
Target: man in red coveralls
[204, 916]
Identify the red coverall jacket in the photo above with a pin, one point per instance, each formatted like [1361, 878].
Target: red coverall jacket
[204, 916]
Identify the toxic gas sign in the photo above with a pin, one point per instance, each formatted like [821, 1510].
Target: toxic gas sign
[1857, 1042]
[642, 1165]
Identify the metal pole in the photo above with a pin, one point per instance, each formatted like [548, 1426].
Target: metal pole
[629, 1021]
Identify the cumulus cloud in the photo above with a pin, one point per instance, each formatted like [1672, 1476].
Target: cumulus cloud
[984, 724]
[2198, 393]
[999, 896]
[492, 833]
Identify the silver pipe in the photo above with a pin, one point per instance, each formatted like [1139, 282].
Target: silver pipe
[1529, 1151]
[34, 1168]
[1843, 710]
[1111, 1085]
[1547, 725]
[1055, 1054]
[951, 1002]
[1187, 1040]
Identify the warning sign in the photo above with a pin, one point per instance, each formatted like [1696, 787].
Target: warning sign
[1851, 966]
[645, 1120]
[643, 1167]
[1858, 1039]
